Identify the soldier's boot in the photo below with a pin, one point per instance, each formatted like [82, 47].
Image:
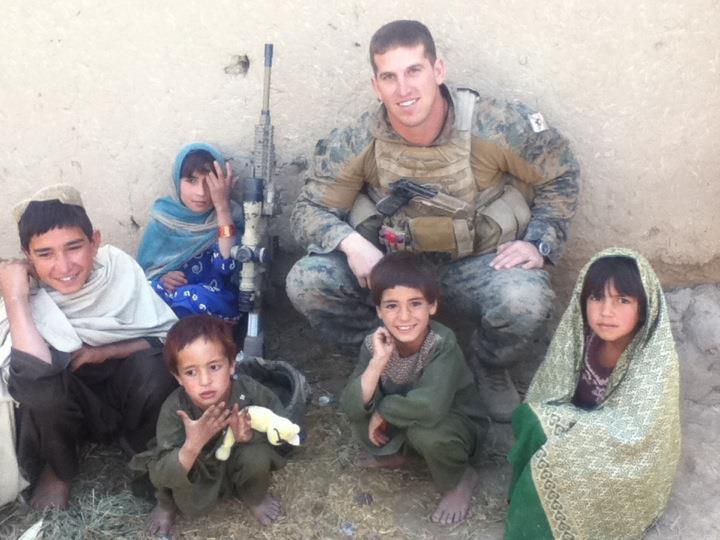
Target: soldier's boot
[497, 390]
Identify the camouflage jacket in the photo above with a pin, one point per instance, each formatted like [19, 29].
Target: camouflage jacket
[508, 140]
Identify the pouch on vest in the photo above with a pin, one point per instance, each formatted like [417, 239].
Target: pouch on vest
[365, 219]
[502, 217]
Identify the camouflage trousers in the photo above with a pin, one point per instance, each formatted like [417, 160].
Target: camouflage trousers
[509, 309]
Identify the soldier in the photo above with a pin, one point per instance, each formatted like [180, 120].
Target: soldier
[501, 160]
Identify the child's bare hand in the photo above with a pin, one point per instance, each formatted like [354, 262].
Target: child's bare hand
[376, 430]
[383, 347]
[220, 184]
[199, 432]
[173, 280]
[88, 355]
[14, 278]
[240, 424]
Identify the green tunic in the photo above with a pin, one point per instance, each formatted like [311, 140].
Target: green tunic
[246, 473]
[437, 415]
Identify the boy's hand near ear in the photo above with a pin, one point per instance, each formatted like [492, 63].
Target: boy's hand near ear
[14, 279]
[383, 347]
[15, 289]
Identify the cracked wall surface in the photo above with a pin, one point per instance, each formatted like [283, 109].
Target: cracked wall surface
[103, 95]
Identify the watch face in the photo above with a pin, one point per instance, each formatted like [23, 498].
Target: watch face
[544, 249]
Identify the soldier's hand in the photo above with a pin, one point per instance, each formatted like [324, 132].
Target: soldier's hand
[517, 253]
[362, 257]
[15, 279]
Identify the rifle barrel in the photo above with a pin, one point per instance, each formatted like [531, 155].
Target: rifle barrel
[266, 83]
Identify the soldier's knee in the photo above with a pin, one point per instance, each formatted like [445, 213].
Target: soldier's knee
[309, 277]
[525, 301]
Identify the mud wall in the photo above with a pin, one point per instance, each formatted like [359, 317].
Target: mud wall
[103, 94]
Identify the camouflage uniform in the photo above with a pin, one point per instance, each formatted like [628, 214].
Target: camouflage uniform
[509, 307]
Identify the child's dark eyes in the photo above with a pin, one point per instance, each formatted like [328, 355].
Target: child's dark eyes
[215, 367]
[190, 373]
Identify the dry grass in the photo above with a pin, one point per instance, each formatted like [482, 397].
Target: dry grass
[325, 495]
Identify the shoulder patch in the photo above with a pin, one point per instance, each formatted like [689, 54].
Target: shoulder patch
[537, 122]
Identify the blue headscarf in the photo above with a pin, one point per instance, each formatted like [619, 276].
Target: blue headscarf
[176, 233]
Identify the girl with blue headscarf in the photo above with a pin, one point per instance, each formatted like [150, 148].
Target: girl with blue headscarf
[185, 250]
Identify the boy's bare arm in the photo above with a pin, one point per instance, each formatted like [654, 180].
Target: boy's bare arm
[199, 432]
[383, 347]
[89, 354]
[15, 289]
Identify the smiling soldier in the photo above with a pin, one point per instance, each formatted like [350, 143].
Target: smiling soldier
[507, 188]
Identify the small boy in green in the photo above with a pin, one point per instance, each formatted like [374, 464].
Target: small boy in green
[412, 387]
[200, 353]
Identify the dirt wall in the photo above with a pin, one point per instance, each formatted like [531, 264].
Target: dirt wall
[102, 95]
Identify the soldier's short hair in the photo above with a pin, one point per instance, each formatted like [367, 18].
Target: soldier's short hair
[43, 216]
[402, 33]
[197, 161]
[189, 329]
[403, 269]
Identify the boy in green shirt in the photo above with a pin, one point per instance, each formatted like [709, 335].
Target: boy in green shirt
[412, 387]
[200, 353]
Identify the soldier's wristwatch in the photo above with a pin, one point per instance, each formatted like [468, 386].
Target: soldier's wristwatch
[542, 247]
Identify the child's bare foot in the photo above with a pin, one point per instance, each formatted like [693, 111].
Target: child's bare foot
[393, 461]
[50, 491]
[268, 510]
[162, 521]
[454, 507]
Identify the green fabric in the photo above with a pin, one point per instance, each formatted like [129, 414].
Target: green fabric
[438, 416]
[608, 472]
[526, 518]
[529, 436]
[246, 473]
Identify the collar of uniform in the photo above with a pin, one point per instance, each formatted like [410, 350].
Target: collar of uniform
[381, 128]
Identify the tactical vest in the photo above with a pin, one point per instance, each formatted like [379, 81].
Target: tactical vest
[497, 214]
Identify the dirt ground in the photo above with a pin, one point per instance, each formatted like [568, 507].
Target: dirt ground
[326, 496]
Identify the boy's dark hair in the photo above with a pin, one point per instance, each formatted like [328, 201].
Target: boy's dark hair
[403, 269]
[623, 273]
[197, 161]
[402, 33]
[43, 216]
[193, 327]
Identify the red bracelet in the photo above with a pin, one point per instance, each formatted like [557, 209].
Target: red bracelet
[227, 231]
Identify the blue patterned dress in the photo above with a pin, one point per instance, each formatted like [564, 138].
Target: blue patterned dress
[209, 289]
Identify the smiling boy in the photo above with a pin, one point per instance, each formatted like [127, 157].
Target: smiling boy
[412, 387]
[81, 350]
